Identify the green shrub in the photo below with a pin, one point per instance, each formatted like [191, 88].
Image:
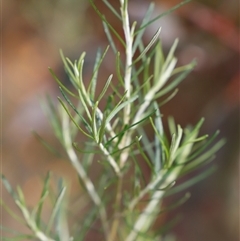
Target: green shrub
[125, 202]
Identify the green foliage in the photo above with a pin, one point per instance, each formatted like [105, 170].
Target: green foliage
[124, 202]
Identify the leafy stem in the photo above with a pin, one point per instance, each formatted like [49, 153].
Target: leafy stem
[82, 174]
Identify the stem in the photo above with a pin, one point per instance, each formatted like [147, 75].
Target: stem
[164, 76]
[32, 225]
[128, 32]
[116, 217]
[82, 174]
[145, 219]
[128, 64]
[110, 159]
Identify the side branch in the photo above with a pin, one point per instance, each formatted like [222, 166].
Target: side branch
[81, 172]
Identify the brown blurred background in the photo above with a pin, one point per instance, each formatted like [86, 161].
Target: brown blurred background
[32, 34]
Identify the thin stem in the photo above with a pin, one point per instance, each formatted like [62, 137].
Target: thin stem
[148, 188]
[163, 77]
[82, 174]
[32, 225]
[128, 32]
[145, 219]
[85, 97]
[110, 159]
[117, 206]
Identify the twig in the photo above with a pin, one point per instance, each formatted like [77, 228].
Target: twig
[82, 174]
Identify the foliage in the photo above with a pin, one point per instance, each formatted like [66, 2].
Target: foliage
[125, 202]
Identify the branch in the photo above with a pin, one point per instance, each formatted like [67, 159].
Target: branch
[81, 172]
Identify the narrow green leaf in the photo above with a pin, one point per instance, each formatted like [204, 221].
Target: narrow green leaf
[146, 76]
[145, 61]
[144, 155]
[192, 181]
[163, 77]
[164, 145]
[138, 171]
[73, 120]
[168, 226]
[126, 128]
[46, 144]
[162, 15]
[118, 68]
[176, 81]
[112, 9]
[169, 186]
[87, 225]
[109, 37]
[117, 91]
[51, 113]
[158, 61]
[94, 123]
[199, 139]
[171, 150]
[77, 67]
[11, 212]
[203, 147]
[121, 150]
[141, 32]
[93, 83]
[194, 133]
[119, 107]
[85, 103]
[61, 224]
[66, 66]
[21, 197]
[108, 24]
[9, 187]
[171, 125]
[73, 69]
[41, 201]
[80, 61]
[55, 210]
[119, 137]
[176, 143]
[189, 138]
[204, 157]
[97, 65]
[170, 55]
[103, 92]
[60, 84]
[146, 86]
[150, 44]
[102, 127]
[82, 150]
[175, 204]
[158, 148]
[74, 108]
[168, 98]
[146, 143]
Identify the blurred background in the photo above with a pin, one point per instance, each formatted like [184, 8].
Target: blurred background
[32, 34]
